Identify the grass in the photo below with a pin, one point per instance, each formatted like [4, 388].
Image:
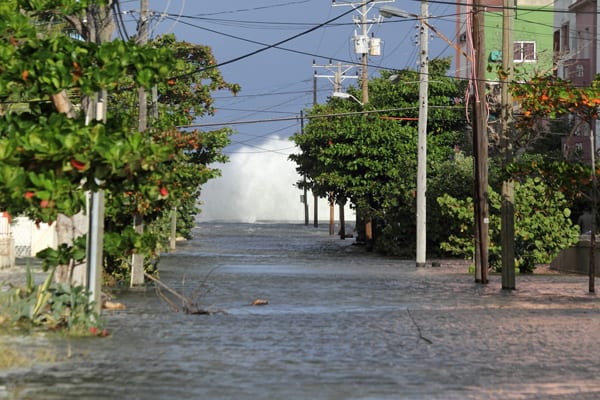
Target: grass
[23, 355]
[11, 358]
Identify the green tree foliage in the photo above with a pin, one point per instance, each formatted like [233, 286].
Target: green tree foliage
[542, 225]
[180, 99]
[370, 157]
[47, 159]
[51, 157]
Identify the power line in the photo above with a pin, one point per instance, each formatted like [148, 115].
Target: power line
[274, 45]
[349, 113]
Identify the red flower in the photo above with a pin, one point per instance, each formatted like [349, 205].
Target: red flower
[29, 195]
[77, 164]
[163, 191]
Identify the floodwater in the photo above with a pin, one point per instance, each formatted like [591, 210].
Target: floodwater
[340, 323]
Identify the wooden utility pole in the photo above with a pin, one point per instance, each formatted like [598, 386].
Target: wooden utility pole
[592, 266]
[508, 188]
[364, 60]
[305, 196]
[315, 197]
[365, 99]
[137, 260]
[480, 146]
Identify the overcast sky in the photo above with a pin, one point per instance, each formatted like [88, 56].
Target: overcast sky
[258, 183]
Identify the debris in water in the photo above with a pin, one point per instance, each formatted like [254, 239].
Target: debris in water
[260, 302]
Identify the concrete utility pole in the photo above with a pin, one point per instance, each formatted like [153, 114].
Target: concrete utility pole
[336, 77]
[508, 187]
[97, 27]
[95, 238]
[421, 223]
[480, 146]
[137, 260]
[422, 139]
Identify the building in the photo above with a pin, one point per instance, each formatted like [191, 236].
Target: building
[533, 28]
[574, 41]
[575, 49]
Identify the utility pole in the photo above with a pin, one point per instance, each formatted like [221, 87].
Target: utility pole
[422, 139]
[137, 260]
[363, 46]
[95, 238]
[336, 77]
[592, 262]
[364, 76]
[364, 61]
[315, 197]
[508, 187]
[97, 27]
[480, 146]
[305, 195]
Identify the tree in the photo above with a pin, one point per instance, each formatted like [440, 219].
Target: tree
[369, 156]
[49, 158]
[179, 100]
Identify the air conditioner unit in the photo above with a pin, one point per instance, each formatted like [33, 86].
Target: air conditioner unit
[496, 56]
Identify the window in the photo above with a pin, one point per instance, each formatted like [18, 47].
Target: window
[579, 70]
[564, 38]
[524, 52]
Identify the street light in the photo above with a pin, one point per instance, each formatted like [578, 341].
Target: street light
[344, 95]
[391, 11]
[388, 12]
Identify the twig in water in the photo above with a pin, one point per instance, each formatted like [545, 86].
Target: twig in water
[188, 306]
[418, 328]
[200, 297]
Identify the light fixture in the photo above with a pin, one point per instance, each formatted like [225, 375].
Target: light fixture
[391, 11]
[344, 95]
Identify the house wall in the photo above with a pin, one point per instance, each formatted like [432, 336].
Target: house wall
[533, 21]
[531, 25]
[576, 57]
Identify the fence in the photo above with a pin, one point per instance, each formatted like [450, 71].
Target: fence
[7, 243]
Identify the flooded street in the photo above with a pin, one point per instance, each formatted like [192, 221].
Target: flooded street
[340, 323]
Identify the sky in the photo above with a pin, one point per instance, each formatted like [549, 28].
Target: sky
[277, 82]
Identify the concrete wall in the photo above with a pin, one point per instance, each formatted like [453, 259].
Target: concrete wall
[7, 252]
[576, 259]
[7, 244]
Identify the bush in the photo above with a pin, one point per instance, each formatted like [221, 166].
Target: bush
[50, 306]
[542, 225]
